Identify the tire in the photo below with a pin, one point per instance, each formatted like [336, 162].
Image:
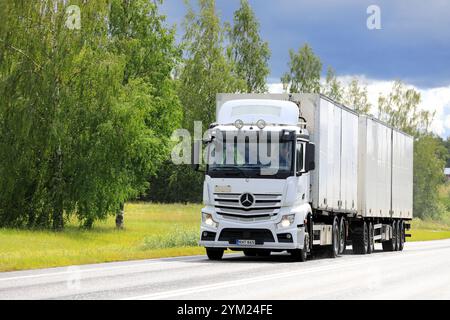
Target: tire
[250, 253]
[399, 235]
[371, 246]
[342, 236]
[360, 239]
[334, 250]
[389, 245]
[301, 255]
[214, 254]
[402, 235]
[263, 253]
[396, 235]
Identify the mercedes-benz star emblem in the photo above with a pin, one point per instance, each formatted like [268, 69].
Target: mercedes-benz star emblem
[246, 200]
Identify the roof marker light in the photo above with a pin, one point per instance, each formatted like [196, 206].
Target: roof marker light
[239, 124]
[261, 124]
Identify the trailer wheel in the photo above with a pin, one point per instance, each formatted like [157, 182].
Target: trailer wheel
[389, 245]
[401, 230]
[342, 235]
[360, 239]
[334, 250]
[371, 247]
[214, 253]
[397, 235]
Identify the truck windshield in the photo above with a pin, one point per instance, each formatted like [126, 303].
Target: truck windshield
[251, 159]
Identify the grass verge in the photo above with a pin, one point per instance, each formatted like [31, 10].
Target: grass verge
[425, 230]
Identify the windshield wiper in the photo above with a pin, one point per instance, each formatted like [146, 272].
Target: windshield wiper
[231, 168]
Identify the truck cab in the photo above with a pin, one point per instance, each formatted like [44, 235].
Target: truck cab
[257, 188]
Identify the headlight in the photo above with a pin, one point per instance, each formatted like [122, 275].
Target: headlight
[208, 220]
[286, 221]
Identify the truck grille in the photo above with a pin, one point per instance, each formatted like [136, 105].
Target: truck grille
[259, 235]
[264, 207]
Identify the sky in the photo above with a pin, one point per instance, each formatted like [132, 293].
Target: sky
[412, 45]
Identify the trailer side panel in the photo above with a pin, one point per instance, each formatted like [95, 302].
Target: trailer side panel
[402, 177]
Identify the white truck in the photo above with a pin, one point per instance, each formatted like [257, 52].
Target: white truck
[339, 178]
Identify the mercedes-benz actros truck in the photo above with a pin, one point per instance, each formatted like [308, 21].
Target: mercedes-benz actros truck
[292, 172]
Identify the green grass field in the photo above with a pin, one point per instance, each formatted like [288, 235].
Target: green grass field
[422, 230]
[151, 231]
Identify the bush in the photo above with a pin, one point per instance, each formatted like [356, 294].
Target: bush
[178, 237]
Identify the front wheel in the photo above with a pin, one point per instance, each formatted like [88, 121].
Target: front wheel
[214, 253]
[301, 254]
[250, 253]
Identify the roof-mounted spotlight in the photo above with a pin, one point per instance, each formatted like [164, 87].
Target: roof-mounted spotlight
[261, 124]
[239, 124]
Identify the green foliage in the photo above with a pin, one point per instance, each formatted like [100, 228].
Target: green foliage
[428, 176]
[304, 71]
[332, 88]
[249, 54]
[447, 145]
[355, 96]
[400, 109]
[83, 122]
[205, 72]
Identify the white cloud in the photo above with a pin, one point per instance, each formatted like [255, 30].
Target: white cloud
[447, 122]
[433, 99]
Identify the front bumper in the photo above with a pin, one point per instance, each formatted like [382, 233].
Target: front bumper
[270, 226]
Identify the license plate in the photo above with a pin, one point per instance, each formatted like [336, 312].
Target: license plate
[245, 242]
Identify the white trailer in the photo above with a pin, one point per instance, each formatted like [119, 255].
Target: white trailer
[349, 180]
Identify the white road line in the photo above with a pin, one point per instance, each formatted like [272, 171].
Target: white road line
[234, 283]
[70, 271]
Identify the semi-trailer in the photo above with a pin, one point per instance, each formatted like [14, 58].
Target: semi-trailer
[292, 172]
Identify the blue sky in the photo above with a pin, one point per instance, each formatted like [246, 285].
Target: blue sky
[413, 43]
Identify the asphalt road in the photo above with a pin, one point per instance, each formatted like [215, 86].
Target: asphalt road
[421, 271]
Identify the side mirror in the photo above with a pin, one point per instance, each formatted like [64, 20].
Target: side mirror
[196, 154]
[310, 157]
[299, 164]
